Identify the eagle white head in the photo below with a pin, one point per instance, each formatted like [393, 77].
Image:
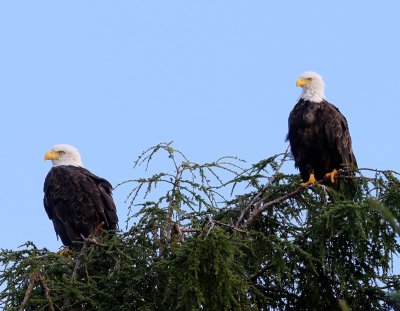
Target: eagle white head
[64, 155]
[313, 86]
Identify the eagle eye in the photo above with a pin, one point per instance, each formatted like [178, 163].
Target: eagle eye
[309, 79]
[61, 152]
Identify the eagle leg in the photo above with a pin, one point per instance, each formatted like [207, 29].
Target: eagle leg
[331, 175]
[311, 181]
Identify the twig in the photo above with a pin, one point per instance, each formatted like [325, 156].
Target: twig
[256, 212]
[210, 221]
[230, 226]
[255, 275]
[266, 186]
[378, 171]
[85, 246]
[92, 241]
[122, 253]
[189, 230]
[78, 263]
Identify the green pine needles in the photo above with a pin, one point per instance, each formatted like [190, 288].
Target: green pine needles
[217, 236]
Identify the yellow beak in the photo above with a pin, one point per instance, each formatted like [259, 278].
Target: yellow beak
[301, 82]
[51, 155]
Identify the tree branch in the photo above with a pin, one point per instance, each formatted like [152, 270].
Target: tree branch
[255, 275]
[229, 226]
[256, 212]
[28, 293]
[46, 290]
[266, 186]
[88, 240]
[37, 276]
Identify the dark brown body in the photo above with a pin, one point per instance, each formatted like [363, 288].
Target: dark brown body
[77, 201]
[319, 139]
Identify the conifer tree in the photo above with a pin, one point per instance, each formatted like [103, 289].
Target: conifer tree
[217, 236]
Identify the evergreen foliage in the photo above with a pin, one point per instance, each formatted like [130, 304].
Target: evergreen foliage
[216, 236]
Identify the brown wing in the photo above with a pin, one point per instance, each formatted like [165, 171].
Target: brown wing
[338, 137]
[319, 139]
[77, 201]
[294, 122]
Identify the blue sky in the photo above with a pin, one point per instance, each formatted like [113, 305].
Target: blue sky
[217, 77]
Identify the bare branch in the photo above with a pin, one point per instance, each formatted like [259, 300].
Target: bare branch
[88, 240]
[255, 275]
[378, 171]
[266, 186]
[189, 230]
[28, 294]
[256, 212]
[229, 226]
[37, 276]
[46, 290]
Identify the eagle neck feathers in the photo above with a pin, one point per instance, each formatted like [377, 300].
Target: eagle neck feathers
[312, 95]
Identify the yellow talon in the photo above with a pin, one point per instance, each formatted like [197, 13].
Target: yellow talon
[311, 181]
[65, 252]
[332, 175]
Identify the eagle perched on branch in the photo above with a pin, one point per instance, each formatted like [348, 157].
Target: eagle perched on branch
[319, 134]
[76, 200]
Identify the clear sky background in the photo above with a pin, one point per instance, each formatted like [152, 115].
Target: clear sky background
[217, 77]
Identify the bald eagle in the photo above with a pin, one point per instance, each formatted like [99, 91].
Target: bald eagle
[318, 134]
[75, 199]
